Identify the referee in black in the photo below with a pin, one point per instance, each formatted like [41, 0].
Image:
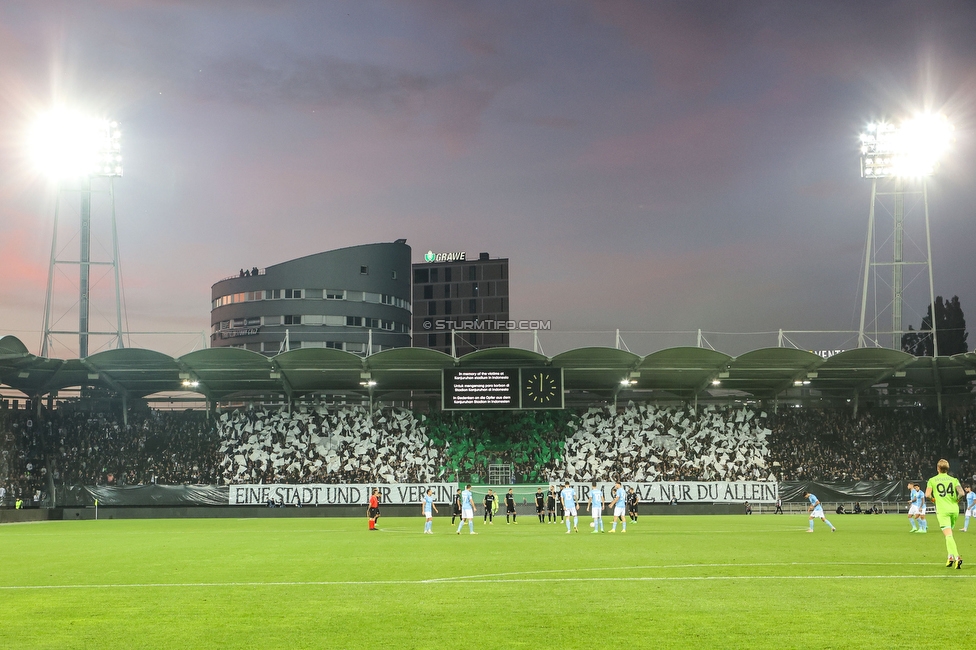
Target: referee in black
[632, 501]
[540, 505]
[489, 507]
[456, 511]
[510, 506]
[551, 504]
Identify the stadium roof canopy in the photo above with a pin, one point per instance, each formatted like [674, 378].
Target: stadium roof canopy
[685, 373]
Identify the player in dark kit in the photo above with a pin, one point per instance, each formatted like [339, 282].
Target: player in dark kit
[456, 512]
[510, 506]
[632, 501]
[540, 505]
[551, 504]
[489, 507]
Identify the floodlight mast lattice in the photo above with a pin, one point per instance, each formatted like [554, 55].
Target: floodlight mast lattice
[72, 147]
[894, 154]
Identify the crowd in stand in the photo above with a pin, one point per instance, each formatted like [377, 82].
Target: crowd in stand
[84, 448]
[163, 447]
[22, 470]
[818, 444]
[644, 443]
[348, 444]
[344, 445]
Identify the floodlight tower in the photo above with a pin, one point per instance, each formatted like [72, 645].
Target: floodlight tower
[71, 147]
[898, 155]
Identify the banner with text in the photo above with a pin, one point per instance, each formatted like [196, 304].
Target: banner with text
[321, 494]
[689, 491]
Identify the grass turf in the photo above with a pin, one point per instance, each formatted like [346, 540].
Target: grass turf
[706, 581]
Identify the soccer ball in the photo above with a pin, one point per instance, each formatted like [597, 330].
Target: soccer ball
[592, 524]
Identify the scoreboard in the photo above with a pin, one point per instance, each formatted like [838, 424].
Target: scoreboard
[501, 388]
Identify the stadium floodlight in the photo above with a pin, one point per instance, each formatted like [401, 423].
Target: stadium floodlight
[69, 146]
[66, 144]
[911, 150]
[904, 154]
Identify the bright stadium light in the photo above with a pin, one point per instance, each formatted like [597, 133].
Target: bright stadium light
[73, 149]
[911, 150]
[902, 157]
[66, 144]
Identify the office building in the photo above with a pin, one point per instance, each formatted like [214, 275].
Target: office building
[355, 299]
[460, 298]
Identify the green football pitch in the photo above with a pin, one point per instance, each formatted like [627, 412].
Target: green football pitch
[698, 582]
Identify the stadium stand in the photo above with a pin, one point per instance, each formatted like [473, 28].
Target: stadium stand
[648, 443]
[346, 445]
[816, 444]
[640, 442]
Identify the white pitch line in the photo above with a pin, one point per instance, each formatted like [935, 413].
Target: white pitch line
[671, 566]
[355, 583]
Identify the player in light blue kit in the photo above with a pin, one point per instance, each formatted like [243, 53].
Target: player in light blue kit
[920, 502]
[567, 496]
[970, 507]
[816, 511]
[619, 506]
[923, 526]
[913, 508]
[429, 509]
[596, 508]
[467, 510]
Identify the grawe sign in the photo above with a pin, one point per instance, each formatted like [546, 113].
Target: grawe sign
[431, 256]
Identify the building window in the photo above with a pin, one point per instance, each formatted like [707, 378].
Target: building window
[334, 294]
[372, 323]
[354, 321]
[431, 340]
[474, 289]
[428, 292]
[447, 274]
[291, 320]
[363, 270]
[334, 345]
[293, 293]
[472, 273]
[275, 294]
[431, 308]
[447, 291]
[472, 306]
[421, 276]
[433, 275]
[447, 307]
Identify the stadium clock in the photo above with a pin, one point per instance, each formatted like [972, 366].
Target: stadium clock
[542, 388]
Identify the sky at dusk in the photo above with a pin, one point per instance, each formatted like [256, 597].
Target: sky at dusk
[647, 166]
